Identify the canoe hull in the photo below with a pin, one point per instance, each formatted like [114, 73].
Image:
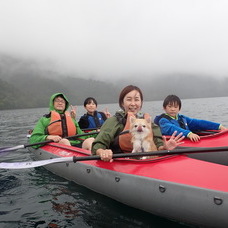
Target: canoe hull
[174, 200]
[219, 139]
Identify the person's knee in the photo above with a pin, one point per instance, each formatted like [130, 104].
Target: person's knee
[87, 144]
[65, 142]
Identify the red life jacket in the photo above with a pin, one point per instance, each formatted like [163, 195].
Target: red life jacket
[61, 124]
[125, 139]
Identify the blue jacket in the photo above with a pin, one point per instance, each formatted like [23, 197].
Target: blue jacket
[183, 124]
[89, 121]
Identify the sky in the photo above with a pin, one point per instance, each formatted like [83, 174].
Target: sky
[112, 39]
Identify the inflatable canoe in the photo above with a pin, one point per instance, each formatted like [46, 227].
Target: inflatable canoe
[209, 140]
[177, 187]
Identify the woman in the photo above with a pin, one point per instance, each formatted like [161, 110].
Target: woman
[58, 124]
[109, 140]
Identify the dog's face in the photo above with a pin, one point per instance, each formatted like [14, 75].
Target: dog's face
[140, 126]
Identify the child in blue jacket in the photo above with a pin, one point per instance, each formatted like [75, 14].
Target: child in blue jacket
[93, 118]
[171, 121]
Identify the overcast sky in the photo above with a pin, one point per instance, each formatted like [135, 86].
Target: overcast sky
[116, 38]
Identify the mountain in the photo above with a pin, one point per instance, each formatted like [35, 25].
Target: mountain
[27, 84]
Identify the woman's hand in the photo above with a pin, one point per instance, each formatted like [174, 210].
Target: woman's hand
[106, 155]
[54, 138]
[73, 111]
[58, 139]
[173, 142]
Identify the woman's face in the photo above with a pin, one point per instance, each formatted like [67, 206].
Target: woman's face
[59, 104]
[132, 102]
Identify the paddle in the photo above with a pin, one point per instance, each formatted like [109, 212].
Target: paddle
[32, 164]
[6, 149]
[90, 129]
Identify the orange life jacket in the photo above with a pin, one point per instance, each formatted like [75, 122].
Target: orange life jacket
[57, 126]
[125, 139]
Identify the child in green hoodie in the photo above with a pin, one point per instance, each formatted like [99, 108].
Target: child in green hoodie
[58, 124]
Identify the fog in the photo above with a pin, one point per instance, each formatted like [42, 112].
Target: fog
[120, 38]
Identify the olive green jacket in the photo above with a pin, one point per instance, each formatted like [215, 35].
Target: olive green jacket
[112, 128]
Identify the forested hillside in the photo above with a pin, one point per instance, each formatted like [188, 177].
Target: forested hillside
[30, 92]
[24, 84]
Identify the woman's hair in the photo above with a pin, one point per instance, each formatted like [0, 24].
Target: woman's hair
[127, 90]
[172, 99]
[89, 100]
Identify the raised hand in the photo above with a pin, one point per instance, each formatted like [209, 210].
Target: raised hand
[107, 113]
[173, 142]
[73, 111]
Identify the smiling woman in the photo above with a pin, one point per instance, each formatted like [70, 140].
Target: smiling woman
[110, 141]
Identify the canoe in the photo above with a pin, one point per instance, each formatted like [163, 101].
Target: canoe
[208, 140]
[177, 187]
[216, 139]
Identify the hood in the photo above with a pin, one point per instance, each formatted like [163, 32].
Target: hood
[51, 103]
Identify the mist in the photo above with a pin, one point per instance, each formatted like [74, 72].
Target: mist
[112, 40]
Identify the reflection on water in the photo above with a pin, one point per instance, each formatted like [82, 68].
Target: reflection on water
[38, 198]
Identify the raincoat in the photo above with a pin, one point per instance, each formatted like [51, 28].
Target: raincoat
[40, 134]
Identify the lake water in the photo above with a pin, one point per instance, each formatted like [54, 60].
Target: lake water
[38, 198]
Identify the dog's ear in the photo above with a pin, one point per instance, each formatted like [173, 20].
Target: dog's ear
[148, 120]
[132, 119]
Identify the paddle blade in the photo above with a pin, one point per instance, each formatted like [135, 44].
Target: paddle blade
[33, 164]
[5, 149]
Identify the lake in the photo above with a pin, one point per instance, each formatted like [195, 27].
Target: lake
[37, 198]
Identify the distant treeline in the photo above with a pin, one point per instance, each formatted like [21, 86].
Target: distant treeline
[34, 92]
[24, 85]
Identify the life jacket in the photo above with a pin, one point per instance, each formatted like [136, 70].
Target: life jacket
[61, 124]
[95, 121]
[181, 121]
[124, 139]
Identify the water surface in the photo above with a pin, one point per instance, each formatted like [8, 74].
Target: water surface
[37, 198]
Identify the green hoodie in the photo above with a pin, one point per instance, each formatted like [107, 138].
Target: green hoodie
[51, 103]
[39, 134]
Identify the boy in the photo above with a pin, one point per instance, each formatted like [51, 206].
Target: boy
[171, 121]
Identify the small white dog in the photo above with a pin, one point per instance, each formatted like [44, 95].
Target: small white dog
[142, 136]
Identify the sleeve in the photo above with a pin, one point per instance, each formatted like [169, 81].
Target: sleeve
[83, 122]
[157, 136]
[168, 127]
[201, 125]
[79, 132]
[38, 134]
[107, 133]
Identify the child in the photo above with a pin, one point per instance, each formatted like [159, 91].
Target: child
[93, 118]
[171, 121]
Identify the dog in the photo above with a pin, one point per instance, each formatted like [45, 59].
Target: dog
[142, 136]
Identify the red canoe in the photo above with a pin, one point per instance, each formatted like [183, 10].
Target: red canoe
[177, 187]
[210, 140]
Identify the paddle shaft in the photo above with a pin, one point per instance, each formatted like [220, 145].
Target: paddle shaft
[157, 153]
[44, 142]
[32, 164]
